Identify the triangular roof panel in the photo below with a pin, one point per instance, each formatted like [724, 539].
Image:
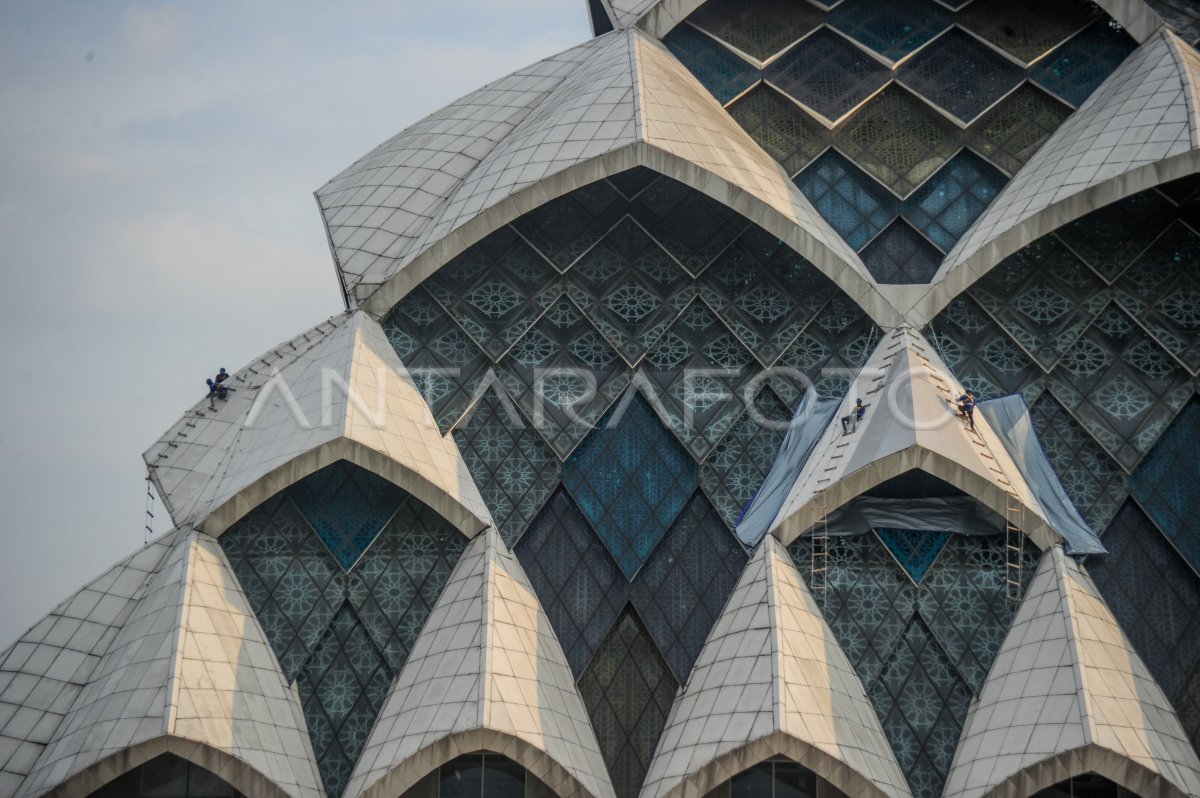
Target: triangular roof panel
[337, 391]
[486, 673]
[772, 680]
[1068, 695]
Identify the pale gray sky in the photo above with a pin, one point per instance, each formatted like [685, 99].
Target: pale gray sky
[157, 163]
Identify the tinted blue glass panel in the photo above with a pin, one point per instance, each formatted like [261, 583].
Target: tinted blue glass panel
[952, 199]
[1167, 483]
[892, 28]
[348, 506]
[1074, 70]
[1156, 597]
[856, 206]
[901, 255]
[721, 72]
[915, 549]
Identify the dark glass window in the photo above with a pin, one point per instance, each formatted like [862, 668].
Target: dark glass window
[1088, 785]
[167, 776]
[776, 778]
[480, 775]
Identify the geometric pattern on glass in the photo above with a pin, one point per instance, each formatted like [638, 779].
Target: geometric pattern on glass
[340, 636]
[915, 549]
[1121, 385]
[1112, 237]
[1027, 29]
[1155, 596]
[765, 292]
[854, 205]
[444, 363]
[630, 288]
[693, 228]
[759, 29]
[342, 688]
[697, 371]
[1094, 482]
[735, 469]
[961, 75]
[682, 589]
[510, 462]
[1167, 483]
[899, 140]
[1076, 69]
[565, 228]
[291, 581]
[828, 353]
[1162, 291]
[576, 580]
[628, 690]
[563, 374]
[633, 181]
[901, 255]
[348, 506]
[715, 66]
[946, 205]
[827, 74]
[782, 128]
[1044, 296]
[496, 289]
[892, 28]
[1009, 134]
[921, 650]
[981, 355]
[630, 478]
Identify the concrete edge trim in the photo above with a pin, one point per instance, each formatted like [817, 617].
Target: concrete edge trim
[233, 509]
[1078, 761]
[238, 773]
[383, 297]
[418, 765]
[914, 458]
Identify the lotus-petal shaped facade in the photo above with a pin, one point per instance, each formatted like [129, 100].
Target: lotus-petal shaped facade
[475, 536]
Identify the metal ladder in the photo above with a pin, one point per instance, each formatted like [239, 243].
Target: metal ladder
[818, 581]
[1014, 547]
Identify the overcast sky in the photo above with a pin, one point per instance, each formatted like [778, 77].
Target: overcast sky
[157, 164]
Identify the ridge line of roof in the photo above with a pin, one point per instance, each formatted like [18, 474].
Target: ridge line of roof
[174, 684]
[1059, 567]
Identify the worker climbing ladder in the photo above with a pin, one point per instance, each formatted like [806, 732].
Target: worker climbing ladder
[1014, 546]
[818, 581]
[149, 508]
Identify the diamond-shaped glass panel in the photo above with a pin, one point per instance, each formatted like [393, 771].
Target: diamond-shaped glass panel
[724, 74]
[1076, 69]
[630, 288]
[1009, 134]
[854, 205]
[577, 581]
[565, 228]
[899, 140]
[1110, 238]
[827, 354]
[892, 28]
[698, 369]
[628, 690]
[782, 128]
[563, 374]
[1092, 479]
[693, 228]
[737, 466]
[827, 74]
[946, 205]
[496, 289]
[631, 478]
[915, 549]
[633, 181]
[1156, 598]
[901, 255]
[760, 29]
[765, 292]
[961, 75]
[1162, 291]
[982, 356]
[1167, 483]
[342, 689]
[348, 506]
[1027, 29]
[514, 468]
[444, 362]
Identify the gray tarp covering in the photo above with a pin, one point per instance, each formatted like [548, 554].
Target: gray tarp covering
[813, 416]
[1009, 417]
[961, 515]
